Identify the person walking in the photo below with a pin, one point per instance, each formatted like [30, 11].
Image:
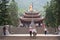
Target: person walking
[4, 30]
[45, 31]
[30, 31]
[34, 31]
[7, 30]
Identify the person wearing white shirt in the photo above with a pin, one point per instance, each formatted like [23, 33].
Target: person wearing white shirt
[45, 30]
[30, 31]
[34, 31]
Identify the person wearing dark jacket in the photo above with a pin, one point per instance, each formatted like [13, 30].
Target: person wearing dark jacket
[4, 30]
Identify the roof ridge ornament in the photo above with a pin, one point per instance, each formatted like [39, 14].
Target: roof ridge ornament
[31, 7]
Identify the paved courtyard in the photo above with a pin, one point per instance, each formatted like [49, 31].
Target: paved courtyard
[26, 37]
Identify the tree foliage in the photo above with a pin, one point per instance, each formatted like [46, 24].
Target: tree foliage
[13, 10]
[52, 14]
[8, 13]
[4, 16]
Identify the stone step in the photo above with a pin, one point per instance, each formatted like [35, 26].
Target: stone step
[32, 35]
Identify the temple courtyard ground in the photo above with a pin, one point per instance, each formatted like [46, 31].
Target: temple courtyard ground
[26, 37]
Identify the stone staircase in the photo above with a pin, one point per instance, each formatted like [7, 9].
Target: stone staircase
[25, 30]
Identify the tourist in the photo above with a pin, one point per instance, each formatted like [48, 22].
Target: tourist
[30, 31]
[4, 30]
[7, 29]
[45, 30]
[34, 32]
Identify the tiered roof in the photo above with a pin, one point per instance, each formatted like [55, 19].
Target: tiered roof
[28, 16]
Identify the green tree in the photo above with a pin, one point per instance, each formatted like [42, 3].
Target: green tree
[13, 10]
[4, 15]
[58, 11]
[52, 13]
[50, 18]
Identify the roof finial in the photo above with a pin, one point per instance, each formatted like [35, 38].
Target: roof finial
[31, 7]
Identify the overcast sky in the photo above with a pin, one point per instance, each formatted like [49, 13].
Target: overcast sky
[38, 4]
